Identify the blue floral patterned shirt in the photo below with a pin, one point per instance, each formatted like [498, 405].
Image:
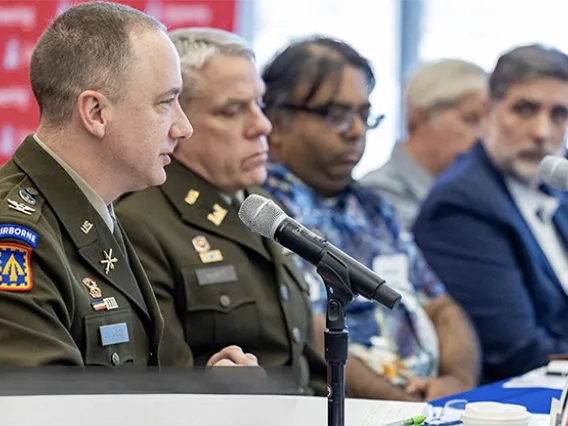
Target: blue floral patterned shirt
[398, 344]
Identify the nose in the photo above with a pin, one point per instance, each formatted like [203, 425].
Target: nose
[181, 128]
[261, 125]
[357, 130]
[542, 128]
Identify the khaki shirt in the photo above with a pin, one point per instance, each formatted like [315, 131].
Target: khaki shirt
[68, 294]
[217, 283]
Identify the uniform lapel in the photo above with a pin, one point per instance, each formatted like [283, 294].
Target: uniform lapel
[147, 291]
[76, 214]
[201, 205]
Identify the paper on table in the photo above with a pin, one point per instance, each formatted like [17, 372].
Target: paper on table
[194, 410]
[537, 379]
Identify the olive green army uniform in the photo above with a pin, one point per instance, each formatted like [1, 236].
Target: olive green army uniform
[71, 293]
[217, 282]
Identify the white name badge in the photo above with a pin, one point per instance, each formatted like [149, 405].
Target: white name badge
[393, 268]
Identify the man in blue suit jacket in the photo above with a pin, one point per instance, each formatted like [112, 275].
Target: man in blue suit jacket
[497, 238]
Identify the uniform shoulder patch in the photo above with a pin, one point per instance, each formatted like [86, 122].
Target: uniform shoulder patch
[15, 267]
[19, 232]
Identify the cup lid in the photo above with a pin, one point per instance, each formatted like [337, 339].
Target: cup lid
[494, 411]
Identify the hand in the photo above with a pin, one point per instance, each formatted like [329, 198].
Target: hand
[232, 356]
[439, 387]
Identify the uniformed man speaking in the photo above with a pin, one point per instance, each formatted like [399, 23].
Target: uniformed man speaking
[72, 291]
[216, 282]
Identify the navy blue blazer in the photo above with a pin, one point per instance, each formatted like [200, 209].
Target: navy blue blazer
[476, 239]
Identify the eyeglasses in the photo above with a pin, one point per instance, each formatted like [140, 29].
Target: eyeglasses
[340, 117]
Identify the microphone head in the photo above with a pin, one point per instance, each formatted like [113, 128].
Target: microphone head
[261, 215]
[553, 170]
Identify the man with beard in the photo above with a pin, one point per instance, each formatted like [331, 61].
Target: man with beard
[494, 235]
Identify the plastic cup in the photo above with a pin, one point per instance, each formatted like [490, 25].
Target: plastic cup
[495, 414]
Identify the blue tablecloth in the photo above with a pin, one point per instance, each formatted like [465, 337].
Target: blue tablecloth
[537, 400]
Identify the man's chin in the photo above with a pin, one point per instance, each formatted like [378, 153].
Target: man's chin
[526, 171]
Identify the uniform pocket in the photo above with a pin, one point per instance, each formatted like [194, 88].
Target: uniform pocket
[220, 314]
[109, 338]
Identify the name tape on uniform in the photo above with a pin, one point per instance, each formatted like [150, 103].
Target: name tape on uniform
[19, 232]
[216, 275]
[114, 334]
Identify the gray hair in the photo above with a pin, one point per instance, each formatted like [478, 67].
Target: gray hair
[196, 46]
[443, 83]
[524, 64]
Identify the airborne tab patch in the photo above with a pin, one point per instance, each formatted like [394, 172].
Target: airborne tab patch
[15, 267]
[19, 232]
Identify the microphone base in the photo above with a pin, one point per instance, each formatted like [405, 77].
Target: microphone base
[335, 275]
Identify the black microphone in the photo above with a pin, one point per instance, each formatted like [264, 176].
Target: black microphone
[553, 170]
[264, 217]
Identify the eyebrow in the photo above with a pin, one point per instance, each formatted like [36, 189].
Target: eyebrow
[172, 91]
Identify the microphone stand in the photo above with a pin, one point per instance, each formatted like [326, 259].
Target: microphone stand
[335, 275]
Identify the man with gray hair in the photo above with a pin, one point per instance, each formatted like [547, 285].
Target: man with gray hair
[444, 107]
[494, 235]
[217, 283]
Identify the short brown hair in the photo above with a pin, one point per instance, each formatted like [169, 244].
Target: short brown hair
[86, 47]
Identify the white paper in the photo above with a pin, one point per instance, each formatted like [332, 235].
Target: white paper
[537, 379]
[194, 410]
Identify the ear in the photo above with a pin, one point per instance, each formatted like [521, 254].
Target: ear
[93, 108]
[416, 117]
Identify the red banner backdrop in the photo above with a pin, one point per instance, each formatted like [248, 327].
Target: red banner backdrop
[22, 22]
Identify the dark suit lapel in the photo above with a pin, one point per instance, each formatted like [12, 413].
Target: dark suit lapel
[200, 205]
[74, 211]
[510, 213]
[560, 220]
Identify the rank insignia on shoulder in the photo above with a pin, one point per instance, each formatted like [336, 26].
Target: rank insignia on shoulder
[192, 197]
[200, 244]
[18, 232]
[15, 267]
[211, 256]
[217, 215]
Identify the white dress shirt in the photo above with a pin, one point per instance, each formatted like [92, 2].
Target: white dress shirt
[538, 210]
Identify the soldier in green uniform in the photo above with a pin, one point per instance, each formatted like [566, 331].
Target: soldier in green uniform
[216, 282]
[72, 290]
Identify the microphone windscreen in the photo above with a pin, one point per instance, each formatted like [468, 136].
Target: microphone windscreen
[261, 215]
[553, 170]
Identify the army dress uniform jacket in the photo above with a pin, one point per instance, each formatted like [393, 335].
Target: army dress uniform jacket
[217, 282]
[69, 295]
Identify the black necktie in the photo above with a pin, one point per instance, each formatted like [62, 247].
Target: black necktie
[118, 236]
[236, 203]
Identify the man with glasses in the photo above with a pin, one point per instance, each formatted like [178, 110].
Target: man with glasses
[317, 96]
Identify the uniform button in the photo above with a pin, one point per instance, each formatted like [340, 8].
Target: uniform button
[284, 293]
[115, 358]
[296, 334]
[225, 301]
